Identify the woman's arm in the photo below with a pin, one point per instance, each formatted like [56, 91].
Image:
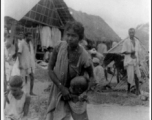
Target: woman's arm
[51, 65]
[53, 77]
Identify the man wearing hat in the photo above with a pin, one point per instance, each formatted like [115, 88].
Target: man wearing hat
[27, 60]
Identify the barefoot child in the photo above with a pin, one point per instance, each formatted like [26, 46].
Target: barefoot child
[17, 101]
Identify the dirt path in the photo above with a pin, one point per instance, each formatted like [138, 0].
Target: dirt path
[95, 111]
[116, 112]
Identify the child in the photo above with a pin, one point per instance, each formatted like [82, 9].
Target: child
[17, 101]
[78, 103]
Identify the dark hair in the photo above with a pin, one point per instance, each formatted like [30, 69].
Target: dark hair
[77, 27]
[50, 48]
[27, 34]
[80, 81]
[16, 81]
[132, 29]
[45, 50]
[103, 42]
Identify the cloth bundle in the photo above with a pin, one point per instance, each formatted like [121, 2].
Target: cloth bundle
[45, 36]
[50, 37]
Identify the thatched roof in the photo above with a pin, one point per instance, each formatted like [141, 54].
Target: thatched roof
[48, 12]
[16, 9]
[96, 29]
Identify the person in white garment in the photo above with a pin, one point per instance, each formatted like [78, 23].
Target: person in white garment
[131, 49]
[27, 61]
[102, 47]
[18, 102]
[9, 60]
[99, 74]
[96, 54]
[20, 36]
[10, 57]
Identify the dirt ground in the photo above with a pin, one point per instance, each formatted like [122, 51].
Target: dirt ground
[108, 105]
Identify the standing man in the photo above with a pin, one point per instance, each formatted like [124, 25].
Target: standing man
[27, 60]
[131, 49]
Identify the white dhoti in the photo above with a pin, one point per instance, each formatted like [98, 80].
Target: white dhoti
[131, 71]
[130, 63]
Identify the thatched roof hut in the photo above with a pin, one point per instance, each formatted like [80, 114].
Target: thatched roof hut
[46, 12]
[49, 13]
[96, 29]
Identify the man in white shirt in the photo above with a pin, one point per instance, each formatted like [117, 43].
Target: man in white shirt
[131, 49]
[27, 60]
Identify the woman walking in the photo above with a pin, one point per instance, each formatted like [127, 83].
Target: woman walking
[69, 59]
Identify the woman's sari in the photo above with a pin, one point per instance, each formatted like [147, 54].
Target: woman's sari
[61, 71]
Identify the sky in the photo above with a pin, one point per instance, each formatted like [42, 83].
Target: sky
[120, 15]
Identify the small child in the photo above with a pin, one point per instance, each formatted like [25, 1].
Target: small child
[78, 88]
[17, 101]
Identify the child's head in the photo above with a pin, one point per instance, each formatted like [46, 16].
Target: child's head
[50, 49]
[15, 84]
[78, 85]
[96, 62]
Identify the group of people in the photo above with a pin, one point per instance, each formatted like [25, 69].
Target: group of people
[71, 62]
[20, 58]
[73, 72]
[19, 73]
